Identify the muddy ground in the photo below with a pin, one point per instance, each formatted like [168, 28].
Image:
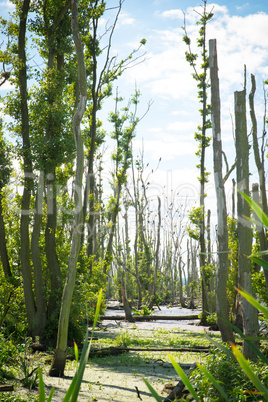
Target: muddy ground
[120, 378]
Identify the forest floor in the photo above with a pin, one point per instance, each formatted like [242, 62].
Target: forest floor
[120, 378]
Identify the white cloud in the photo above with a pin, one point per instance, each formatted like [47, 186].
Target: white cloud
[7, 4]
[243, 6]
[125, 19]
[173, 14]
[168, 146]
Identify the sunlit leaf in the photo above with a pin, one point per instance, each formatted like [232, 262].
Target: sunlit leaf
[76, 351]
[251, 344]
[257, 209]
[42, 395]
[259, 261]
[153, 391]
[220, 346]
[249, 372]
[254, 302]
[184, 378]
[213, 380]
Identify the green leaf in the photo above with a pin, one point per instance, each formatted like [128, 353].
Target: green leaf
[220, 346]
[251, 344]
[76, 351]
[249, 372]
[74, 388]
[97, 313]
[254, 302]
[257, 209]
[51, 395]
[42, 395]
[152, 390]
[213, 380]
[259, 261]
[184, 378]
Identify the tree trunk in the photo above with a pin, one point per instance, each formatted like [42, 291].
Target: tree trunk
[59, 359]
[3, 247]
[259, 160]
[222, 231]
[250, 314]
[152, 301]
[125, 300]
[50, 243]
[182, 301]
[36, 258]
[32, 318]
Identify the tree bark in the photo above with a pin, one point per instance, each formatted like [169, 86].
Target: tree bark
[59, 359]
[222, 231]
[250, 314]
[36, 257]
[182, 301]
[259, 161]
[33, 324]
[125, 300]
[3, 247]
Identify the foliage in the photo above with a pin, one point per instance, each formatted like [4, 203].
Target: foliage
[228, 376]
[196, 216]
[8, 356]
[5, 160]
[144, 311]
[233, 261]
[212, 319]
[202, 85]
[13, 320]
[73, 390]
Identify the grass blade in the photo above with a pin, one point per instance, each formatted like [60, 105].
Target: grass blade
[51, 395]
[249, 372]
[76, 351]
[259, 261]
[97, 313]
[213, 380]
[74, 388]
[254, 302]
[257, 209]
[184, 378]
[251, 344]
[42, 395]
[152, 390]
[220, 346]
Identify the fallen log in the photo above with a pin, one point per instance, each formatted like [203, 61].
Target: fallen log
[116, 350]
[6, 388]
[176, 393]
[151, 317]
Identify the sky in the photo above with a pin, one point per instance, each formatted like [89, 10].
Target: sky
[164, 78]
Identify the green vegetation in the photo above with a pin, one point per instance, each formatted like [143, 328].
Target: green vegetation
[70, 225]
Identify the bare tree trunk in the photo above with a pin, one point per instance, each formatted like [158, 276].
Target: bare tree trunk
[250, 314]
[156, 267]
[182, 301]
[222, 231]
[233, 198]
[60, 353]
[126, 305]
[259, 160]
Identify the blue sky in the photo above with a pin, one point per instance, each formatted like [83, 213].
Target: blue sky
[167, 131]
[241, 30]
